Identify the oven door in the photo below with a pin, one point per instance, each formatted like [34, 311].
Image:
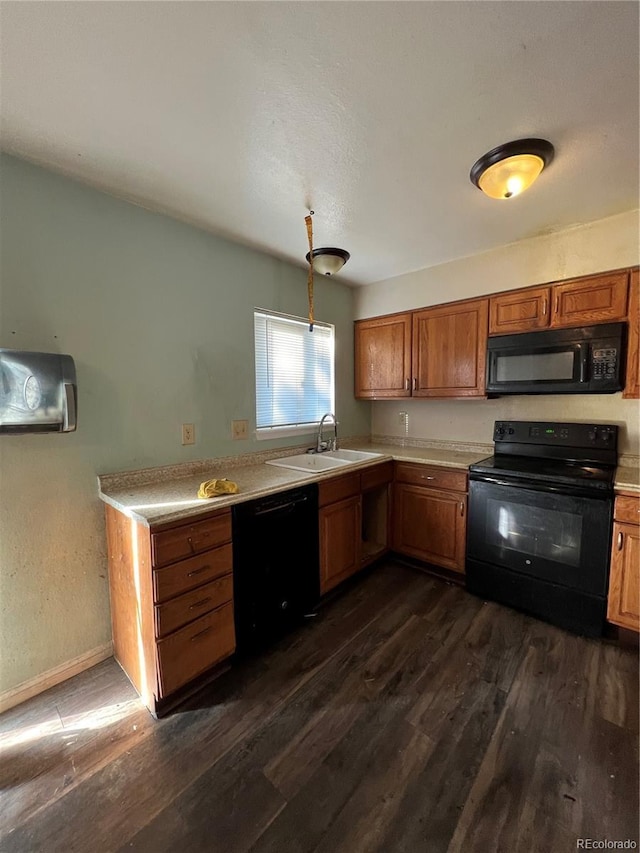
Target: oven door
[561, 537]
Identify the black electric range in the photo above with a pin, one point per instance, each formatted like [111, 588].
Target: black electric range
[540, 518]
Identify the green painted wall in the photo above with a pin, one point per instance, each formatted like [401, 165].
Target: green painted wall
[158, 316]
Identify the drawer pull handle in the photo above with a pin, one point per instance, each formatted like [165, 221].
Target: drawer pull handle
[557, 303]
[544, 307]
[407, 384]
[461, 509]
[424, 477]
[620, 540]
[201, 633]
[200, 603]
[415, 383]
[198, 571]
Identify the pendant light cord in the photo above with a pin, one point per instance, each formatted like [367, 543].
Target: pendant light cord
[307, 220]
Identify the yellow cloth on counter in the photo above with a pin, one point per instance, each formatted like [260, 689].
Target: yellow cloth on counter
[213, 488]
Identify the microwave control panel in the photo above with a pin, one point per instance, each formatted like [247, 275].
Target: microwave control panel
[603, 363]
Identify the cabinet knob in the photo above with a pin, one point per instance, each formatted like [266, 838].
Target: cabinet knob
[620, 540]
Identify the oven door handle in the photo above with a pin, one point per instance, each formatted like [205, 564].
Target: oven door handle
[570, 491]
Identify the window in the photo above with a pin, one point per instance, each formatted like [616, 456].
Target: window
[294, 374]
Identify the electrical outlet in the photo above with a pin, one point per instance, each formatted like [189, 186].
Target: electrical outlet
[188, 434]
[403, 417]
[239, 429]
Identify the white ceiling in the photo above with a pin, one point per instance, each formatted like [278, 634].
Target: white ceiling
[238, 116]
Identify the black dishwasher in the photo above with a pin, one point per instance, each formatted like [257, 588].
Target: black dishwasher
[276, 574]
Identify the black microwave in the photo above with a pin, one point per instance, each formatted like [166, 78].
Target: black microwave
[587, 360]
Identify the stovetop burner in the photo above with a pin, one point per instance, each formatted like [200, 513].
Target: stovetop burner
[547, 470]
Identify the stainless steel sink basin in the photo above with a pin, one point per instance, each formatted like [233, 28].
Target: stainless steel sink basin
[323, 461]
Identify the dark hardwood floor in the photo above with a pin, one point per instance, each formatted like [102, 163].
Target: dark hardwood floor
[407, 717]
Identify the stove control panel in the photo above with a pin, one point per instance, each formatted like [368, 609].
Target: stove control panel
[603, 436]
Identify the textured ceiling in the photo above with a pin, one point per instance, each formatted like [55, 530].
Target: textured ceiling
[238, 116]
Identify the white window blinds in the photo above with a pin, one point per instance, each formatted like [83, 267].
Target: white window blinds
[294, 371]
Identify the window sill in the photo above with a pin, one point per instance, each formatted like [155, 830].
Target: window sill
[266, 433]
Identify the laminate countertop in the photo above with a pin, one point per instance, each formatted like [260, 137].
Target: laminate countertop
[156, 496]
[160, 495]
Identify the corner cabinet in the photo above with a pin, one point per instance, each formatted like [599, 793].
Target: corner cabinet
[171, 592]
[383, 357]
[430, 514]
[623, 604]
[353, 522]
[435, 352]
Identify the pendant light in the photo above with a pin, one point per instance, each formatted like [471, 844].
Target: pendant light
[510, 169]
[327, 261]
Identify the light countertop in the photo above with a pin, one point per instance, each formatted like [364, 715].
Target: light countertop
[160, 495]
[171, 494]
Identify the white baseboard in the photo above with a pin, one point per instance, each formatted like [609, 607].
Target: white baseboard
[22, 692]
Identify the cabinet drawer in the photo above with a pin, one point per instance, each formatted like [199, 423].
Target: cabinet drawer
[376, 476]
[178, 542]
[187, 574]
[431, 477]
[190, 651]
[185, 608]
[627, 509]
[338, 488]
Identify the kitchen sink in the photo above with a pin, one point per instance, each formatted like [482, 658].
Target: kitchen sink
[309, 462]
[323, 461]
[352, 455]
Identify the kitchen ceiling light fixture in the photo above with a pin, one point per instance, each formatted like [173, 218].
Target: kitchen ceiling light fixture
[510, 169]
[329, 260]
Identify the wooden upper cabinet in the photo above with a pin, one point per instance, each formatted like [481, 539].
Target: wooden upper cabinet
[592, 299]
[632, 385]
[449, 350]
[519, 311]
[383, 357]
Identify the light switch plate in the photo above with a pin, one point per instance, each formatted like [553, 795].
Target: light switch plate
[239, 429]
[188, 434]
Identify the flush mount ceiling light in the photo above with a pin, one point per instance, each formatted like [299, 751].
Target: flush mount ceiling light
[328, 261]
[510, 169]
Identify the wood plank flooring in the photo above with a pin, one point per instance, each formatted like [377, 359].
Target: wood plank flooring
[406, 717]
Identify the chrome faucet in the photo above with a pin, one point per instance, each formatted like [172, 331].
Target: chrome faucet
[322, 445]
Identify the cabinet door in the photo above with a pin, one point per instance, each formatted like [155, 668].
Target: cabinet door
[594, 299]
[519, 311]
[430, 525]
[632, 385]
[623, 606]
[383, 357]
[340, 542]
[449, 350]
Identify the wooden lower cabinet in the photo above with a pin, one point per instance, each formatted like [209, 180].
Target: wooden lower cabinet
[339, 542]
[623, 606]
[430, 523]
[353, 522]
[171, 601]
